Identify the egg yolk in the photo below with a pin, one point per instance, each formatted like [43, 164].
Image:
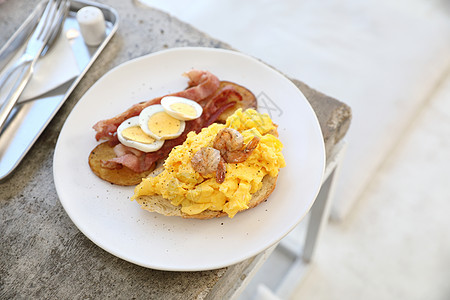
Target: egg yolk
[163, 124]
[136, 134]
[184, 108]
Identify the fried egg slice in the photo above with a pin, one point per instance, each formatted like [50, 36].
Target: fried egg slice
[130, 134]
[158, 124]
[181, 108]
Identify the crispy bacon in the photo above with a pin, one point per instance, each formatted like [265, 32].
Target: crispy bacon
[144, 161]
[202, 84]
[217, 105]
[128, 157]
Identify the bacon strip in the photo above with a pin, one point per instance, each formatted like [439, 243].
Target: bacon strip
[128, 157]
[144, 161]
[202, 84]
[216, 106]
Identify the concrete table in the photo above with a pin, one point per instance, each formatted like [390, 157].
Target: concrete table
[42, 254]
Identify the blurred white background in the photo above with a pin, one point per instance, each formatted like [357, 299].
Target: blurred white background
[390, 61]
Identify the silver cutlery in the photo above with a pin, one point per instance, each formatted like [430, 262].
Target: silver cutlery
[45, 33]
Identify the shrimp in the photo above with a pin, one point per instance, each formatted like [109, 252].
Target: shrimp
[228, 139]
[228, 147]
[230, 143]
[221, 171]
[241, 155]
[207, 161]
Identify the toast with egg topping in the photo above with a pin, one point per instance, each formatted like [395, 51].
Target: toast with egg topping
[179, 189]
[158, 204]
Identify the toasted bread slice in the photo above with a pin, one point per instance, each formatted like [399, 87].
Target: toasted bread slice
[158, 204]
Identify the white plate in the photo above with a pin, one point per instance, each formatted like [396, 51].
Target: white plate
[104, 213]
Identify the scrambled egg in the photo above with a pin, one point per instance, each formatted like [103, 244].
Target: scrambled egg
[195, 193]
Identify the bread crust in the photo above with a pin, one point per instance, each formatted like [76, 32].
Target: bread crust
[158, 204]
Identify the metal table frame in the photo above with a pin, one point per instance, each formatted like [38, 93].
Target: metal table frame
[303, 252]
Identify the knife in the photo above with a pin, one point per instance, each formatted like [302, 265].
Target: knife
[45, 33]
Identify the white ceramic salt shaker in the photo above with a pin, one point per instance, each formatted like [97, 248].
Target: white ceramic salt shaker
[92, 25]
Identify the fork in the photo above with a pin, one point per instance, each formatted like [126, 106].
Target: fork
[45, 33]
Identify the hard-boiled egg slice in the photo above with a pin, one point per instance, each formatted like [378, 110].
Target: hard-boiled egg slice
[181, 108]
[158, 124]
[130, 134]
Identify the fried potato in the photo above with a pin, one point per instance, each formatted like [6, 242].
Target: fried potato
[123, 176]
[248, 100]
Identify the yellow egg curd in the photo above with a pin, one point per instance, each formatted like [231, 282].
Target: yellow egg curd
[195, 193]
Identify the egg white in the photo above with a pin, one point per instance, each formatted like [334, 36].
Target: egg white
[147, 113]
[166, 102]
[134, 121]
